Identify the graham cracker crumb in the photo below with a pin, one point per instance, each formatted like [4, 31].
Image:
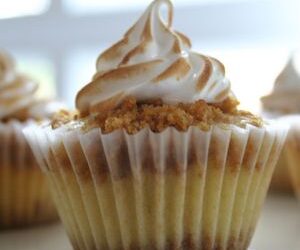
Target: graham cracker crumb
[63, 117]
[134, 116]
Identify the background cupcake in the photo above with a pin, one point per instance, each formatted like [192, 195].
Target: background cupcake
[24, 196]
[291, 151]
[159, 156]
[284, 100]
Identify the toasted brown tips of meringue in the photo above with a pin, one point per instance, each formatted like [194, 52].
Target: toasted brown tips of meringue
[205, 74]
[107, 105]
[7, 63]
[18, 98]
[114, 51]
[184, 39]
[83, 98]
[151, 51]
[222, 94]
[178, 69]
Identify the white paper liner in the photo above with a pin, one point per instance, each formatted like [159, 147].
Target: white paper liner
[281, 180]
[291, 150]
[25, 198]
[163, 190]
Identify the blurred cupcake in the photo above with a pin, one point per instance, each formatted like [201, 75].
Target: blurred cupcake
[159, 156]
[291, 151]
[284, 100]
[25, 199]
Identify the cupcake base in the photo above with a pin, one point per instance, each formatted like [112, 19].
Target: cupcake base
[152, 218]
[170, 190]
[24, 198]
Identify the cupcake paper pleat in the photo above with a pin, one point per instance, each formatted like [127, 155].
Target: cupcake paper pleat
[191, 190]
[291, 151]
[25, 199]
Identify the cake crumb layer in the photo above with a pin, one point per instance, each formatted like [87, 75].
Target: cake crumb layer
[133, 116]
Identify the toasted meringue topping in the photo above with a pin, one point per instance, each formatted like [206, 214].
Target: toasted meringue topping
[153, 61]
[285, 97]
[17, 93]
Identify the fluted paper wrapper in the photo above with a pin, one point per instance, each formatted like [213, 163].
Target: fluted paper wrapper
[170, 190]
[291, 150]
[281, 180]
[24, 196]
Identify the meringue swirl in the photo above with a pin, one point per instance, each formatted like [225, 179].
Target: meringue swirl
[153, 61]
[17, 93]
[285, 97]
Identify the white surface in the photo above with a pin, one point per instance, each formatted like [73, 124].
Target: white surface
[279, 225]
[279, 229]
[51, 237]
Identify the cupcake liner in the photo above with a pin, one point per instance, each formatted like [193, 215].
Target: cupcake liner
[281, 181]
[291, 150]
[170, 190]
[56, 177]
[25, 199]
[266, 161]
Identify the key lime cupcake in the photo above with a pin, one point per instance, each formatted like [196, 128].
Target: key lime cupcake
[25, 198]
[159, 156]
[282, 102]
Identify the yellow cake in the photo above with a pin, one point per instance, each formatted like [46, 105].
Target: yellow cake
[24, 195]
[158, 156]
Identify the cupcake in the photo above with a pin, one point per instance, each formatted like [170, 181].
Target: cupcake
[284, 100]
[25, 198]
[158, 156]
[291, 151]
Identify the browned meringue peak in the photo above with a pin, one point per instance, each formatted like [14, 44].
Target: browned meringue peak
[153, 61]
[7, 67]
[17, 94]
[285, 97]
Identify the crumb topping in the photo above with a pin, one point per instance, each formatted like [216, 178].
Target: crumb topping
[63, 117]
[134, 116]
